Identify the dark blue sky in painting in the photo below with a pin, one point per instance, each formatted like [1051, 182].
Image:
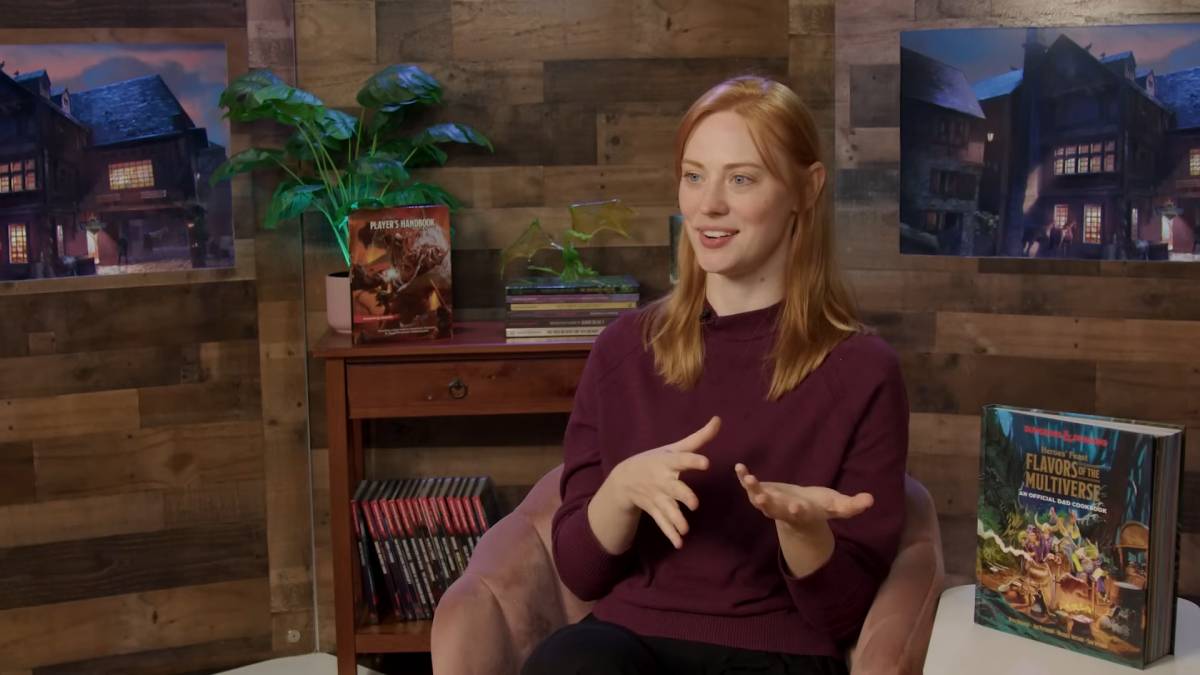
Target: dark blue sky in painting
[985, 52]
[196, 73]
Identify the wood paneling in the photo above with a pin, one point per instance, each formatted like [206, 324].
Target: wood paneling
[123, 14]
[282, 353]
[157, 458]
[206, 657]
[631, 80]
[135, 534]
[31, 524]
[496, 29]
[91, 320]
[81, 372]
[638, 133]
[68, 415]
[1114, 338]
[66, 571]
[133, 622]
[16, 473]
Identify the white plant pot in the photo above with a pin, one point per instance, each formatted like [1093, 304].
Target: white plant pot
[337, 301]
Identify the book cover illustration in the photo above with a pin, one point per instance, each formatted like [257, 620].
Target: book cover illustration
[400, 283]
[1064, 532]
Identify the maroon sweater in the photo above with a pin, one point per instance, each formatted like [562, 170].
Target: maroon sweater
[845, 426]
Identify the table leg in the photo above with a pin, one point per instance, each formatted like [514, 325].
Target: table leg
[344, 568]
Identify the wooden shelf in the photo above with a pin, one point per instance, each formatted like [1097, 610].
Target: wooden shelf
[394, 636]
[474, 373]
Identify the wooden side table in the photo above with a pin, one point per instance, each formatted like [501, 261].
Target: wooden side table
[959, 645]
[473, 373]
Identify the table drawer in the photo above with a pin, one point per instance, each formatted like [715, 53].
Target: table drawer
[495, 387]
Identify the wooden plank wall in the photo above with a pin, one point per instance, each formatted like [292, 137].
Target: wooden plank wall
[581, 100]
[1116, 338]
[154, 501]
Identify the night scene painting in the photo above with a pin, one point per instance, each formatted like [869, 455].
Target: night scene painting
[1080, 142]
[105, 156]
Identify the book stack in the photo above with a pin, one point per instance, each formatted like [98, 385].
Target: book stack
[414, 539]
[1078, 528]
[548, 308]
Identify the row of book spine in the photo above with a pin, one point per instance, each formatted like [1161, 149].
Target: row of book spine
[544, 309]
[415, 537]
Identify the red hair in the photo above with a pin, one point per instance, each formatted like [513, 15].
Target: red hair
[817, 311]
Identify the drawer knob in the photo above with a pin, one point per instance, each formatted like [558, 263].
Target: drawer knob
[458, 389]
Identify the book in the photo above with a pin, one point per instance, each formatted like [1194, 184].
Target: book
[524, 308]
[550, 285]
[547, 332]
[577, 297]
[1077, 531]
[521, 322]
[571, 339]
[400, 279]
[376, 607]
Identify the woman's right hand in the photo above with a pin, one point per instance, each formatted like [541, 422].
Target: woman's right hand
[650, 482]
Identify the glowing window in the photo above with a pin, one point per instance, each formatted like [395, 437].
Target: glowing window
[1061, 213]
[1091, 223]
[18, 175]
[126, 175]
[1194, 161]
[18, 244]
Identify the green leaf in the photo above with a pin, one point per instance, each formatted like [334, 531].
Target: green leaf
[290, 200]
[368, 203]
[381, 167]
[428, 155]
[397, 86]
[337, 124]
[382, 120]
[420, 193]
[238, 100]
[292, 105]
[424, 193]
[298, 148]
[247, 160]
[454, 133]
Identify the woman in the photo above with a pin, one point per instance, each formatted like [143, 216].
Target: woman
[752, 397]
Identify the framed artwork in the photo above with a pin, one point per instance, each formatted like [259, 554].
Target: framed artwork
[1077, 142]
[105, 155]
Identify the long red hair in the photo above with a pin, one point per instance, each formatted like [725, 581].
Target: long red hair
[817, 311]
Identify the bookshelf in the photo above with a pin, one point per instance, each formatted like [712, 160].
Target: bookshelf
[473, 373]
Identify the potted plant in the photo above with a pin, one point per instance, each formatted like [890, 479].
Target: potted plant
[335, 163]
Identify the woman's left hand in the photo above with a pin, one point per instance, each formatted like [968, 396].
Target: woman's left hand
[800, 507]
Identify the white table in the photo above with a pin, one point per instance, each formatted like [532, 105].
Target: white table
[959, 645]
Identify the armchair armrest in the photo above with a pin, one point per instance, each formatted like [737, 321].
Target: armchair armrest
[895, 635]
[509, 598]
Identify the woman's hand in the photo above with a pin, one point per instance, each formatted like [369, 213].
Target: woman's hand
[649, 482]
[802, 514]
[800, 506]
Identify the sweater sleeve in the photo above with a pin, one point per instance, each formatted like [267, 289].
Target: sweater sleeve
[584, 566]
[864, 546]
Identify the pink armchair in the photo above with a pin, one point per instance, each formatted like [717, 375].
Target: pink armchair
[510, 596]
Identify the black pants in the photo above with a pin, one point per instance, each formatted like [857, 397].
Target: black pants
[595, 647]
